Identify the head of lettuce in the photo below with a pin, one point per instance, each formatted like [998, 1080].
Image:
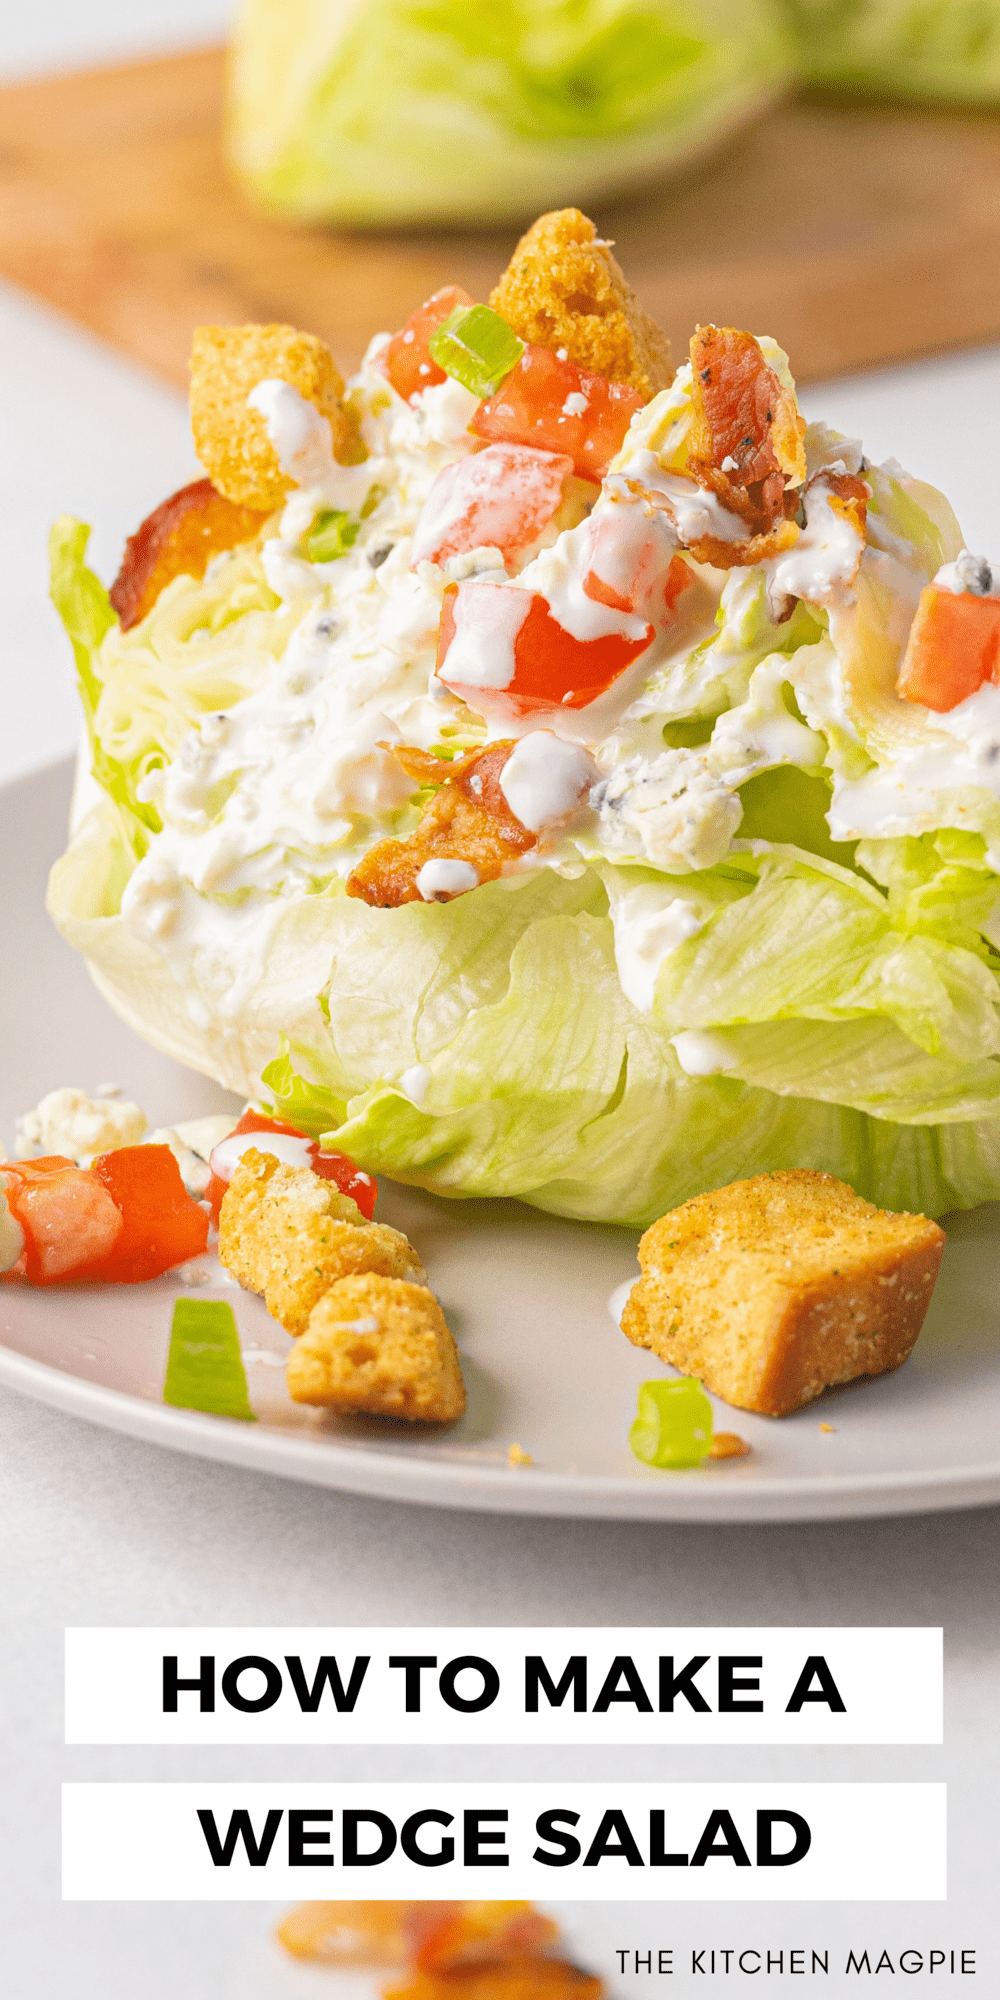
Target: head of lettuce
[726, 900]
[379, 111]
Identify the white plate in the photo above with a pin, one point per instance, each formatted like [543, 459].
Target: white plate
[525, 1294]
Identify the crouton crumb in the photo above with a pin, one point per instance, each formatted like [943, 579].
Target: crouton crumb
[289, 1234]
[774, 1288]
[230, 438]
[726, 1444]
[378, 1345]
[563, 289]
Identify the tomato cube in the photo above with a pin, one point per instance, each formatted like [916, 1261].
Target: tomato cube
[548, 666]
[163, 1226]
[407, 360]
[70, 1221]
[295, 1148]
[953, 647]
[559, 407]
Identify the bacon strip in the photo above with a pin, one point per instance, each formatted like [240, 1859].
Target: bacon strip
[179, 538]
[745, 443]
[468, 819]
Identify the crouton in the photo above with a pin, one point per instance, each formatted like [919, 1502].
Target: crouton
[774, 1288]
[378, 1345]
[230, 438]
[287, 1233]
[563, 288]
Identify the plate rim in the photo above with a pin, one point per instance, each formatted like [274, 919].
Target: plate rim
[490, 1486]
[496, 1488]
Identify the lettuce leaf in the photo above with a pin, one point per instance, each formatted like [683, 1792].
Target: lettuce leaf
[400, 110]
[944, 49]
[434, 1043]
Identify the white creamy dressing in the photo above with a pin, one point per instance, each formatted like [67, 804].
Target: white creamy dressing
[619, 1299]
[701, 1052]
[488, 618]
[443, 877]
[951, 778]
[415, 1083]
[289, 787]
[545, 779]
[825, 560]
[695, 511]
[760, 732]
[284, 1146]
[649, 923]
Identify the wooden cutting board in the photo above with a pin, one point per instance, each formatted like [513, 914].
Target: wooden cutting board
[855, 233]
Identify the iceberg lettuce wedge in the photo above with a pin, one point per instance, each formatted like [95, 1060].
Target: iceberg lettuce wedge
[390, 111]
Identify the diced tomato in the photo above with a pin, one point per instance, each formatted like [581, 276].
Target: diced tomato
[632, 565]
[330, 1166]
[407, 359]
[163, 1226]
[953, 648]
[70, 1221]
[502, 498]
[559, 407]
[550, 667]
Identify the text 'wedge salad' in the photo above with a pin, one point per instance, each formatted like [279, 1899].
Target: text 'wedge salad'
[548, 774]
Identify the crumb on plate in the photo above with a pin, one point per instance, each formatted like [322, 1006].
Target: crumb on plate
[726, 1444]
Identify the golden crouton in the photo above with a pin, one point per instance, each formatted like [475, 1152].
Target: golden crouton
[288, 1233]
[563, 288]
[772, 1289]
[378, 1345]
[231, 439]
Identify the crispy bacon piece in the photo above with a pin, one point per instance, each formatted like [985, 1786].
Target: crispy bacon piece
[848, 496]
[513, 1979]
[756, 548]
[745, 443]
[472, 1934]
[468, 819]
[178, 538]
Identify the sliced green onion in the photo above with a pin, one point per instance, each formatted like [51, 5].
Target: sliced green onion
[204, 1366]
[477, 347]
[674, 1424]
[332, 533]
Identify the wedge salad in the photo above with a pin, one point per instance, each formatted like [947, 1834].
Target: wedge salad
[537, 772]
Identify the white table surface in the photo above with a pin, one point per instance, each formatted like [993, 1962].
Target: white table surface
[99, 1529]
